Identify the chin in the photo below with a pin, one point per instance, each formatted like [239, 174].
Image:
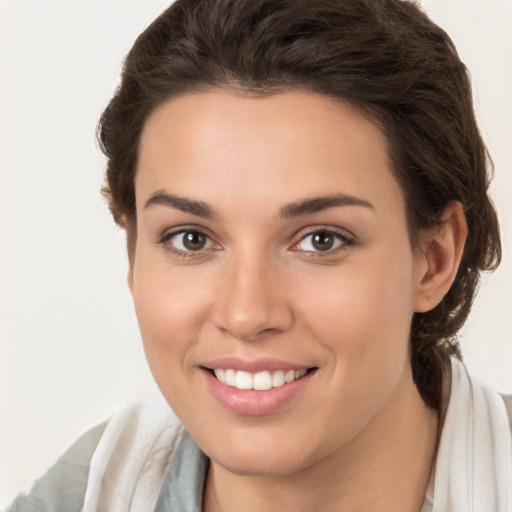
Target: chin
[261, 454]
[263, 465]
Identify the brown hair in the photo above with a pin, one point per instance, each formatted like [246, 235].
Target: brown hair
[384, 56]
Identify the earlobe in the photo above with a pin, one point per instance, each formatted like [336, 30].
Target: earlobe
[441, 255]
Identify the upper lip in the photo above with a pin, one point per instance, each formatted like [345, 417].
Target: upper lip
[253, 365]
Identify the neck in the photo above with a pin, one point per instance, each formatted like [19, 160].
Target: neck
[386, 467]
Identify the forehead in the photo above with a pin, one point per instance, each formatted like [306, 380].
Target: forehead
[219, 146]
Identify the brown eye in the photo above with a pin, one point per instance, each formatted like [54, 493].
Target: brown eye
[322, 241]
[188, 241]
[194, 241]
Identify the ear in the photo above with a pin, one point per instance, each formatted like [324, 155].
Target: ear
[439, 261]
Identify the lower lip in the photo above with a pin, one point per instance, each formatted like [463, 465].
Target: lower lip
[255, 403]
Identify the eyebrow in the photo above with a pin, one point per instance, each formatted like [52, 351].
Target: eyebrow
[199, 208]
[317, 204]
[296, 209]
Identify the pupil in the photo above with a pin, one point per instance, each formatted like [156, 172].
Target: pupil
[194, 240]
[322, 241]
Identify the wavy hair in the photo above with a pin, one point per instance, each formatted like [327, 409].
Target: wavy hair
[387, 58]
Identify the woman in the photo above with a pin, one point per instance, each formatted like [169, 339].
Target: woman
[304, 192]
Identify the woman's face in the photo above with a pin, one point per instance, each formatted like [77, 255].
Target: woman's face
[272, 250]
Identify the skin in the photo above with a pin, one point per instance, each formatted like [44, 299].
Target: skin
[358, 436]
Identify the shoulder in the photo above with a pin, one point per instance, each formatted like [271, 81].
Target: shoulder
[473, 464]
[125, 456]
[131, 458]
[63, 486]
[483, 401]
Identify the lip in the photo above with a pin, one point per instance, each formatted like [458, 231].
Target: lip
[253, 365]
[252, 402]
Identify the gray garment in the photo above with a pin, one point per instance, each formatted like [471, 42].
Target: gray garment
[183, 486]
[62, 487]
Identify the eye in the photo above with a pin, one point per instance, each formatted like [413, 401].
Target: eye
[322, 241]
[186, 241]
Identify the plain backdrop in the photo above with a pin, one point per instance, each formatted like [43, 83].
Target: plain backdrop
[69, 343]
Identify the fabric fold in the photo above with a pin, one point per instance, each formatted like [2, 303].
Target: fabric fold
[473, 470]
[130, 461]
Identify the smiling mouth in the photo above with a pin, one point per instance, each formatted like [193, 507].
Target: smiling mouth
[260, 381]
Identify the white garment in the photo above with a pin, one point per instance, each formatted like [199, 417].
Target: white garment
[473, 470]
[129, 463]
[472, 473]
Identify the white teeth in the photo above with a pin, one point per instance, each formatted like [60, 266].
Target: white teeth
[290, 376]
[259, 381]
[230, 377]
[300, 373]
[278, 379]
[243, 380]
[262, 381]
[220, 373]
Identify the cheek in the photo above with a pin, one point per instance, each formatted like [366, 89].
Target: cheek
[364, 317]
[367, 324]
[367, 295]
[170, 310]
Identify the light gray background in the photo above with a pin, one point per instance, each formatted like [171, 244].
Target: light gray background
[69, 343]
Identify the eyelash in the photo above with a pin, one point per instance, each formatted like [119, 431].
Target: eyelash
[165, 238]
[345, 242]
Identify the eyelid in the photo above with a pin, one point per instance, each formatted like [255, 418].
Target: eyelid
[168, 234]
[348, 239]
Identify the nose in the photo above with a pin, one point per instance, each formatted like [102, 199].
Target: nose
[251, 302]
